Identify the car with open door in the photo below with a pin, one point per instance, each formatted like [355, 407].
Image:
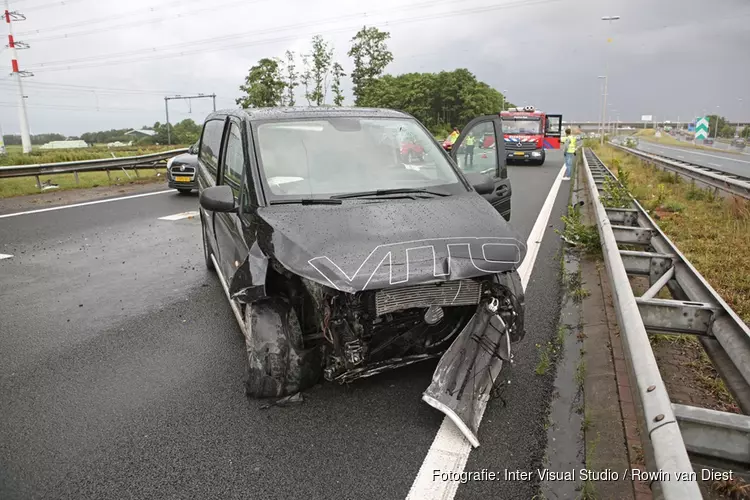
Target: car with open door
[340, 261]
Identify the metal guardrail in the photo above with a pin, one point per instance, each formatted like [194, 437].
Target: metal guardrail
[696, 309]
[733, 184]
[105, 164]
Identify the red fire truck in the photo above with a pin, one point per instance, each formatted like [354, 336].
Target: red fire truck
[528, 133]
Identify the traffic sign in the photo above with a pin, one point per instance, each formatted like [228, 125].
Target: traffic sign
[701, 128]
[647, 118]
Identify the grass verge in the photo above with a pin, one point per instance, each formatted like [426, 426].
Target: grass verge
[16, 157]
[19, 186]
[712, 232]
[549, 352]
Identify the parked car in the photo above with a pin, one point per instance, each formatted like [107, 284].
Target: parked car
[181, 171]
[708, 141]
[340, 262]
[738, 142]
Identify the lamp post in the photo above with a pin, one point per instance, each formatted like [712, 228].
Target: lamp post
[739, 114]
[606, 71]
[602, 101]
[503, 96]
[716, 130]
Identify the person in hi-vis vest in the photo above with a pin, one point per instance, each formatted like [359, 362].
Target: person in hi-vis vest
[454, 135]
[569, 147]
[469, 156]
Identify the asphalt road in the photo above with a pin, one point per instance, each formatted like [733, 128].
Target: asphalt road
[122, 373]
[737, 164]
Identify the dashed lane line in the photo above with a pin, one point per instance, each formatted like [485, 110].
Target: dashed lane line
[5, 256]
[183, 215]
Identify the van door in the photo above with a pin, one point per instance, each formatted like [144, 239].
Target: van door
[473, 152]
[552, 131]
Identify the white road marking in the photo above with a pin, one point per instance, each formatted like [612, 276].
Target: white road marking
[450, 449]
[704, 154]
[84, 204]
[680, 157]
[183, 215]
[5, 256]
[714, 164]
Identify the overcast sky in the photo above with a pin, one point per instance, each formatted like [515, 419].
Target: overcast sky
[672, 59]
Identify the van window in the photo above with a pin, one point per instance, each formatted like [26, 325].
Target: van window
[210, 145]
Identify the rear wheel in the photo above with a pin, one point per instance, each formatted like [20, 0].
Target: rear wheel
[278, 363]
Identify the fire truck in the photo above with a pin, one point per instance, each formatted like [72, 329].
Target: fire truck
[528, 133]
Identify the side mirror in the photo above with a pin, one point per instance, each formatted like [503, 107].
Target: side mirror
[482, 183]
[218, 199]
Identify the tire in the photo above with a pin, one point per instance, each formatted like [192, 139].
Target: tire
[278, 365]
[184, 190]
[206, 248]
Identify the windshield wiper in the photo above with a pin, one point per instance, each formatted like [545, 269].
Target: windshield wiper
[385, 192]
[307, 201]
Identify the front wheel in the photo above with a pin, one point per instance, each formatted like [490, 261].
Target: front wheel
[278, 363]
[206, 248]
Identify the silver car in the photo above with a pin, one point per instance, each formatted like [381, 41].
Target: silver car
[181, 171]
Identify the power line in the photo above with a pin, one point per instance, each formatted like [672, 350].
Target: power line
[142, 22]
[104, 18]
[37, 85]
[82, 63]
[59, 3]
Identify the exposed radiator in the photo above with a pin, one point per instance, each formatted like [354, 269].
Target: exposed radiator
[447, 293]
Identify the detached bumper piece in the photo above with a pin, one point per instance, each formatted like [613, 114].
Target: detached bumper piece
[464, 379]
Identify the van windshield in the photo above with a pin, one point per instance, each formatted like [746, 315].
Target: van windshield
[335, 156]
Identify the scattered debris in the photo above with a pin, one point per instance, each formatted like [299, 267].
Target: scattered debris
[285, 401]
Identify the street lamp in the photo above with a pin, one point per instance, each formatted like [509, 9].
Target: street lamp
[739, 114]
[609, 19]
[716, 130]
[503, 96]
[602, 100]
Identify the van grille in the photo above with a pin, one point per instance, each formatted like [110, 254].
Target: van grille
[448, 293]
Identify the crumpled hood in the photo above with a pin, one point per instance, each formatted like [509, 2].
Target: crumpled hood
[362, 245]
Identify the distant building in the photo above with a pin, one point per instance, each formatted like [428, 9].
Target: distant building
[141, 133]
[64, 145]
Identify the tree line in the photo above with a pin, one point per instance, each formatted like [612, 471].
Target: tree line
[439, 100]
[184, 132]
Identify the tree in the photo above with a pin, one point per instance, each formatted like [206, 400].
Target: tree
[337, 72]
[439, 100]
[321, 64]
[264, 86]
[306, 77]
[291, 78]
[371, 56]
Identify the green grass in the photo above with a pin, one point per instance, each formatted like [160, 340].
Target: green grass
[19, 186]
[712, 232]
[16, 157]
[549, 352]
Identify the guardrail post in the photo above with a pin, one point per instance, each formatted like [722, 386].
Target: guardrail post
[109, 176]
[136, 171]
[75, 174]
[38, 183]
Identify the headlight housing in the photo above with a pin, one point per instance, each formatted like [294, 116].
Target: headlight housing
[536, 153]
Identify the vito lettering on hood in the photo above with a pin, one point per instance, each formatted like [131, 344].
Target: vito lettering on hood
[405, 260]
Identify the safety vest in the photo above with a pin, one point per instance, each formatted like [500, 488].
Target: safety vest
[452, 138]
[572, 144]
[470, 140]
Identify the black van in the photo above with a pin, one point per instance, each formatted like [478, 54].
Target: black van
[340, 261]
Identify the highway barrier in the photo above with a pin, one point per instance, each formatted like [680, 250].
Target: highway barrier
[152, 160]
[733, 184]
[675, 431]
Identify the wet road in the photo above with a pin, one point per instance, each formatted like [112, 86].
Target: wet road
[737, 164]
[122, 370]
